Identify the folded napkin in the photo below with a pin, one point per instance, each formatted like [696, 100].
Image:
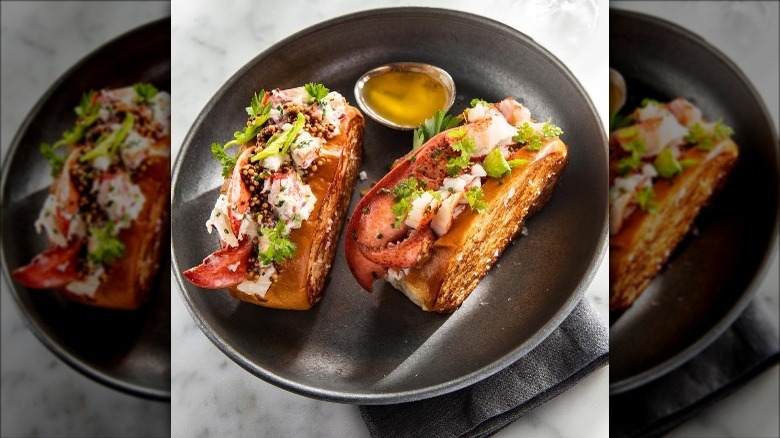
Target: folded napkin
[579, 346]
[747, 348]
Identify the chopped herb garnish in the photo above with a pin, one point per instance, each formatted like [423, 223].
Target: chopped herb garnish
[280, 247]
[528, 137]
[704, 139]
[474, 195]
[54, 160]
[636, 147]
[466, 147]
[144, 92]
[477, 101]
[644, 197]
[256, 108]
[437, 123]
[316, 91]
[105, 246]
[224, 158]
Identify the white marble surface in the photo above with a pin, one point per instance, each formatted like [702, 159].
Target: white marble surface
[748, 34]
[41, 395]
[212, 396]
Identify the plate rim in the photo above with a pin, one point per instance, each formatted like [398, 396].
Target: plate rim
[597, 252]
[720, 326]
[83, 368]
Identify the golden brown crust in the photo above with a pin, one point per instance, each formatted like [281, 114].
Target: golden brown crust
[129, 279]
[645, 241]
[462, 257]
[302, 279]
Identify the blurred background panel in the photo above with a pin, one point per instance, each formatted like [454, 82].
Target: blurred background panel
[41, 395]
[748, 34]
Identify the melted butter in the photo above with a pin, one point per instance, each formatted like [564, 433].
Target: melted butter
[405, 97]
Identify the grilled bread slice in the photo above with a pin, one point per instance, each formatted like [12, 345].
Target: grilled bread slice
[664, 168]
[462, 257]
[282, 223]
[436, 223]
[646, 240]
[302, 279]
[107, 209]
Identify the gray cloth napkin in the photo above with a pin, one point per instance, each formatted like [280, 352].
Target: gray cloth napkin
[748, 347]
[579, 346]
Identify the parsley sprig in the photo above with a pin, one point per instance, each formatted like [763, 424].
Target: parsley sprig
[316, 91]
[435, 124]
[227, 160]
[465, 145]
[145, 92]
[528, 137]
[474, 195]
[280, 247]
[704, 139]
[56, 161]
[105, 245]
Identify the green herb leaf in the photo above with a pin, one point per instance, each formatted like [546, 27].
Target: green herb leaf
[280, 247]
[145, 92]
[549, 130]
[106, 245]
[435, 124]
[645, 197]
[278, 144]
[316, 91]
[617, 121]
[88, 105]
[474, 195]
[455, 165]
[666, 163]
[405, 188]
[405, 192]
[527, 136]
[495, 164]
[224, 158]
[637, 147]
[109, 144]
[721, 131]
[705, 140]
[54, 160]
[478, 101]
[256, 108]
[647, 101]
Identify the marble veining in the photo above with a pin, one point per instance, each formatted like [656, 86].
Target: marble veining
[41, 395]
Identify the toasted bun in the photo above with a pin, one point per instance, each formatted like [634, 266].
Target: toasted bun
[645, 241]
[462, 257]
[129, 279]
[302, 279]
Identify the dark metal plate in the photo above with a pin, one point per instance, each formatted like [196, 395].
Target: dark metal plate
[710, 277]
[381, 348]
[130, 351]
